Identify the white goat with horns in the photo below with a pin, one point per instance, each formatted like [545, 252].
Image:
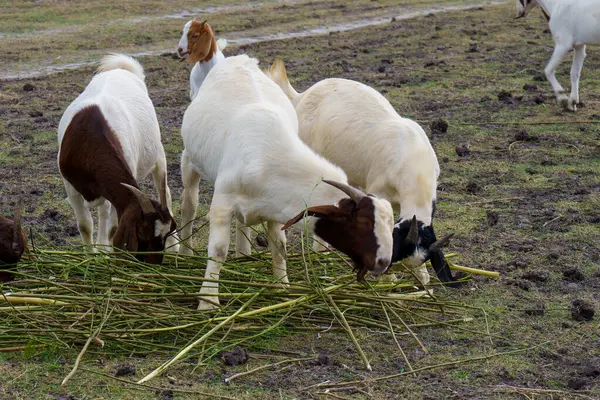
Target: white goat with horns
[573, 23]
[241, 133]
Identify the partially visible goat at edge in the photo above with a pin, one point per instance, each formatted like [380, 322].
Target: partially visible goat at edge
[198, 45]
[109, 140]
[573, 23]
[12, 243]
[241, 133]
[356, 128]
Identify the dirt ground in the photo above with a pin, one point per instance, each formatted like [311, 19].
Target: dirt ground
[519, 187]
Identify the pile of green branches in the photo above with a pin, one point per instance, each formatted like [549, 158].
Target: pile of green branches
[110, 303]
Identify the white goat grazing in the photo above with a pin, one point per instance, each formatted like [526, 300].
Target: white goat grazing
[240, 133]
[109, 139]
[198, 45]
[573, 23]
[356, 128]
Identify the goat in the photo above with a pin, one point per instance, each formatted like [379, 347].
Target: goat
[241, 133]
[109, 139]
[12, 243]
[198, 45]
[356, 128]
[573, 23]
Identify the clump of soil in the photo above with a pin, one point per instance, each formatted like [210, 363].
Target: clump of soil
[439, 126]
[507, 98]
[576, 383]
[573, 275]
[324, 359]
[28, 87]
[462, 150]
[523, 136]
[236, 357]
[582, 310]
[536, 276]
[474, 188]
[492, 217]
[125, 370]
[530, 87]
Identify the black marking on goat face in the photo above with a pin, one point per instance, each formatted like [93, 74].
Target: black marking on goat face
[414, 254]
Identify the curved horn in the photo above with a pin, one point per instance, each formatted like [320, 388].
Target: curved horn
[413, 233]
[352, 192]
[438, 244]
[144, 201]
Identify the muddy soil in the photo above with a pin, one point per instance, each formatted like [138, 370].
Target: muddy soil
[527, 208]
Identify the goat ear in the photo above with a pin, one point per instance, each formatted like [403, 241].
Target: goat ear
[316, 211]
[441, 267]
[126, 236]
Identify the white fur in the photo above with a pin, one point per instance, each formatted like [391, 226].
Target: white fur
[200, 69]
[574, 24]
[120, 93]
[240, 133]
[355, 127]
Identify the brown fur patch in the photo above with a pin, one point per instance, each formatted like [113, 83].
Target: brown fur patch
[349, 228]
[88, 143]
[202, 45]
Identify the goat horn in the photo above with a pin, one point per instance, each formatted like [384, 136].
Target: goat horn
[438, 244]
[353, 192]
[144, 201]
[413, 232]
[162, 193]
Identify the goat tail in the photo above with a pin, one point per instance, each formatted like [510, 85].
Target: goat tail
[221, 44]
[121, 61]
[278, 74]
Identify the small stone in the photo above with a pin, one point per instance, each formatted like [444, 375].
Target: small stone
[530, 87]
[261, 240]
[474, 188]
[381, 68]
[523, 136]
[28, 87]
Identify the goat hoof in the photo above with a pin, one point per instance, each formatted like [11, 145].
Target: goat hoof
[573, 104]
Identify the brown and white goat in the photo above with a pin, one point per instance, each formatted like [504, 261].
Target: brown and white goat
[198, 45]
[109, 139]
[12, 243]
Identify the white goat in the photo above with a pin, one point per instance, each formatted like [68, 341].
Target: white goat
[573, 23]
[198, 45]
[109, 139]
[240, 133]
[356, 128]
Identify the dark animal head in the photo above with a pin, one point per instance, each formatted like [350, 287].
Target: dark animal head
[197, 42]
[12, 243]
[415, 243]
[359, 226]
[144, 226]
[523, 7]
